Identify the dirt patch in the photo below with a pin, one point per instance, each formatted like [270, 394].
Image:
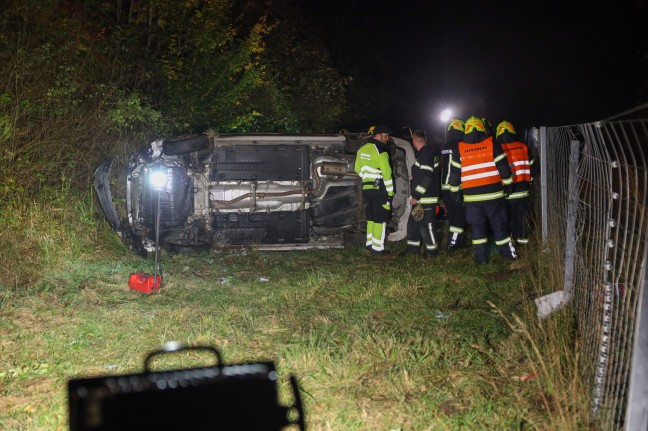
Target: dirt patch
[450, 407]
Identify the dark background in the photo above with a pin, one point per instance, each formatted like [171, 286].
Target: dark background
[532, 63]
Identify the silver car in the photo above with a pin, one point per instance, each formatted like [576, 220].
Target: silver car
[269, 191]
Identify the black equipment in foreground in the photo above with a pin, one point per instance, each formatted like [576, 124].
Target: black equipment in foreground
[219, 397]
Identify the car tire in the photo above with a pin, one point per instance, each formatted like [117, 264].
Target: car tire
[177, 242]
[186, 145]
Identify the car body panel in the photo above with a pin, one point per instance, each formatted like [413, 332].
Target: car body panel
[267, 191]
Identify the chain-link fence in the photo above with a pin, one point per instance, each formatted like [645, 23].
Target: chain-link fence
[592, 201]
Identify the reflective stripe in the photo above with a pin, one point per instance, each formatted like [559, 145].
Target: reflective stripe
[483, 197]
[456, 229]
[522, 241]
[420, 189]
[503, 241]
[455, 189]
[523, 171]
[521, 163]
[478, 166]
[480, 241]
[425, 167]
[414, 243]
[431, 232]
[518, 195]
[445, 187]
[455, 164]
[500, 157]
[507, 181]
[429, 200]
[476, 176]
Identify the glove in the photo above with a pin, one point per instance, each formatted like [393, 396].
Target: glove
[417, 212]
[387, 204]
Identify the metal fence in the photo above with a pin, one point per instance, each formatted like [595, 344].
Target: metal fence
[592, 200]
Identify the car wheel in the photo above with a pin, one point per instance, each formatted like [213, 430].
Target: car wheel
[184, 242]
[186, 145]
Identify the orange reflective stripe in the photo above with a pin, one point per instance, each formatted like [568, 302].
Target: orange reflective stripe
[477, 165]
[518, 158]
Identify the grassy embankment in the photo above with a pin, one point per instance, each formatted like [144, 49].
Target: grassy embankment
[377, 343]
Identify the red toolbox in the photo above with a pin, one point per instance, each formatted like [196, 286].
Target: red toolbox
[144, 283]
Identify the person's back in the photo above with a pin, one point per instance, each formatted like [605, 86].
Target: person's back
[480, 169]
[517, 154]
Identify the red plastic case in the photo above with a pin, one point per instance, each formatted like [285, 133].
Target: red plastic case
[144, 283]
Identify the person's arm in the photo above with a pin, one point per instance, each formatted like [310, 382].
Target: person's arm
[386, 171]
[502, 164]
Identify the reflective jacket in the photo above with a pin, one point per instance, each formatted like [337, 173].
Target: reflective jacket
[479, 167]
[452, 138]
[372, 165]
[426, 177]
[517, 154]
[522, 167]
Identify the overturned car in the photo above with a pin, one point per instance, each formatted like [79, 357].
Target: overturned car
[267, 191]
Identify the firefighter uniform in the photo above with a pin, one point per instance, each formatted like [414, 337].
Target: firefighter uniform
[424, 189]
[479, 167]
[454, 207]
[373, 166]
[517, 154]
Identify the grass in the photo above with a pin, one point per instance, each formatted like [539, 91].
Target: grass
[381, 343]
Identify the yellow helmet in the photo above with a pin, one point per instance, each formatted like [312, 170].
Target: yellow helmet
[456, 124]
[504, 126]
[371, 129]
[474, 124]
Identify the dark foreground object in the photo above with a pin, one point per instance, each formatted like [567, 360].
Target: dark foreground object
[219, 397]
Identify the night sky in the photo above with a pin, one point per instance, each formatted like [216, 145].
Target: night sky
[532, 63]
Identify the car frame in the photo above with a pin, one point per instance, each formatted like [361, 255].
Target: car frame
[268, 191]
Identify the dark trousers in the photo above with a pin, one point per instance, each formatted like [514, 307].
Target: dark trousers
[456, 220]
[493, 213]
[423, 232]
[377, 218]
[518, 219]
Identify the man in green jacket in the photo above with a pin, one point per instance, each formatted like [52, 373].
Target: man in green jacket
[373, 167]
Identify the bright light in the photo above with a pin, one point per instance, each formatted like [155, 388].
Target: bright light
[158, 180]
[446, 114]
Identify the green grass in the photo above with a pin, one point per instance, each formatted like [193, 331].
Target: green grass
[360, 332]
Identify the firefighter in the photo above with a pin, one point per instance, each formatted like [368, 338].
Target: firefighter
[479, 167]
[517, 154]
[425, 187]
[373, 166]
[454, 207]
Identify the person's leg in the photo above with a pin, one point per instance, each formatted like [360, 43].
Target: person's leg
[456, 222]
[428, 231]
[382, 215]
[413, 236]
[497, 213]
[476, 217]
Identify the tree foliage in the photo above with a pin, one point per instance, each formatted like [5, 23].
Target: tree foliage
[80, 79]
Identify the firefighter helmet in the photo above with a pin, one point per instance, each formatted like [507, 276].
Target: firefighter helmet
[505, 126]
[474, 124]
[456, 124]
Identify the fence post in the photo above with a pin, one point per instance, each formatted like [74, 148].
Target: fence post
[572, 213]
[637, 413]
[544, 205]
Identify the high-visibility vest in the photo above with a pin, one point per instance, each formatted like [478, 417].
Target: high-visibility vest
[477, 164]
[517, 154]
[371, 164]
